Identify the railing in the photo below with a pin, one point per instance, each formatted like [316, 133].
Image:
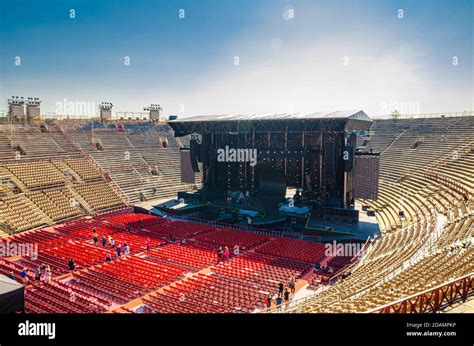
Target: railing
[137, 173]
[263, 231]
[449, 157]
[433, 299]
[66, 117]
[70, 139]
[354, 261]
[450, 183]
[393, 141]
[439, 162]
[180, 144]
[425, 115]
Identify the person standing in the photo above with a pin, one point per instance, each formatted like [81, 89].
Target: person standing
[47, 274]
[119, 251]
[281, 286]
[219, 253]
[268, 301]
[104, 240]
[286, 295]
[24, 276]
[70, 264]
[95, 238]
[226, 253]
[148, 242]
[37, 273]
[292, 285]
[279, 301]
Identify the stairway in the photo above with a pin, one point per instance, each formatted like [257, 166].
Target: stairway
[81, 201]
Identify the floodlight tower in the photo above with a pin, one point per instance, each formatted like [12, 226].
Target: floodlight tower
[16, 107]
[154, 110]
[33, 108]
[16, 110]
[105, 111]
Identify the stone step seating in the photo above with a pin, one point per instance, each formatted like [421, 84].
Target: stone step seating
[429, 272]
[457, 231]
[19, 214]
[85, 169]
[34, 143]
[38, 174]
[99, 196]
[58, 204]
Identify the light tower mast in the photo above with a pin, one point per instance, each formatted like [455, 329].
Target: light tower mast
[105, 111]
[154, 110]
[33, 108]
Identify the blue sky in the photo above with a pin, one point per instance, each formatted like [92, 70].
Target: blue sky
[332, 55]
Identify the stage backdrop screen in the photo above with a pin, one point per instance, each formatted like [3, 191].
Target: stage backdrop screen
[366, 182]
[187, 172]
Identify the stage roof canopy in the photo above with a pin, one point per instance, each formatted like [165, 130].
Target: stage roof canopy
[316, 121]
[359, 115]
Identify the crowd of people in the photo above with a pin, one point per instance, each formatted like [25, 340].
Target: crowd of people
[41, 273]
[223, 253]
[284, 295]
[109, 241]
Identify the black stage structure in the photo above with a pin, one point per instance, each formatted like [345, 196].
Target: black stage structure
[313, 153]
[12, 295]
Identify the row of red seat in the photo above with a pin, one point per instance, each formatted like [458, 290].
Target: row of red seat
[42, 238]
[83, 254]
[106, 286]
[126, 218]
[318, 277]
[143, 272]
[86, 233]
[239, 284]
[230, 238]
[300, 250]
[57, 266]
[191, 257]
[53, 297]
[125, 279]
[176, 228]
[136, 240]
[72, 226]
[206, 293]
[339, 262]
[262, 270]
[7, 267]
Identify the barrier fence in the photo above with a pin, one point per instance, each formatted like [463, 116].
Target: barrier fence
[432, 300]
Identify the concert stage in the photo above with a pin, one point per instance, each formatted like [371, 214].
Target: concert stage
[261, 209]
[367, 226]
[250, 163]
[264, 214]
